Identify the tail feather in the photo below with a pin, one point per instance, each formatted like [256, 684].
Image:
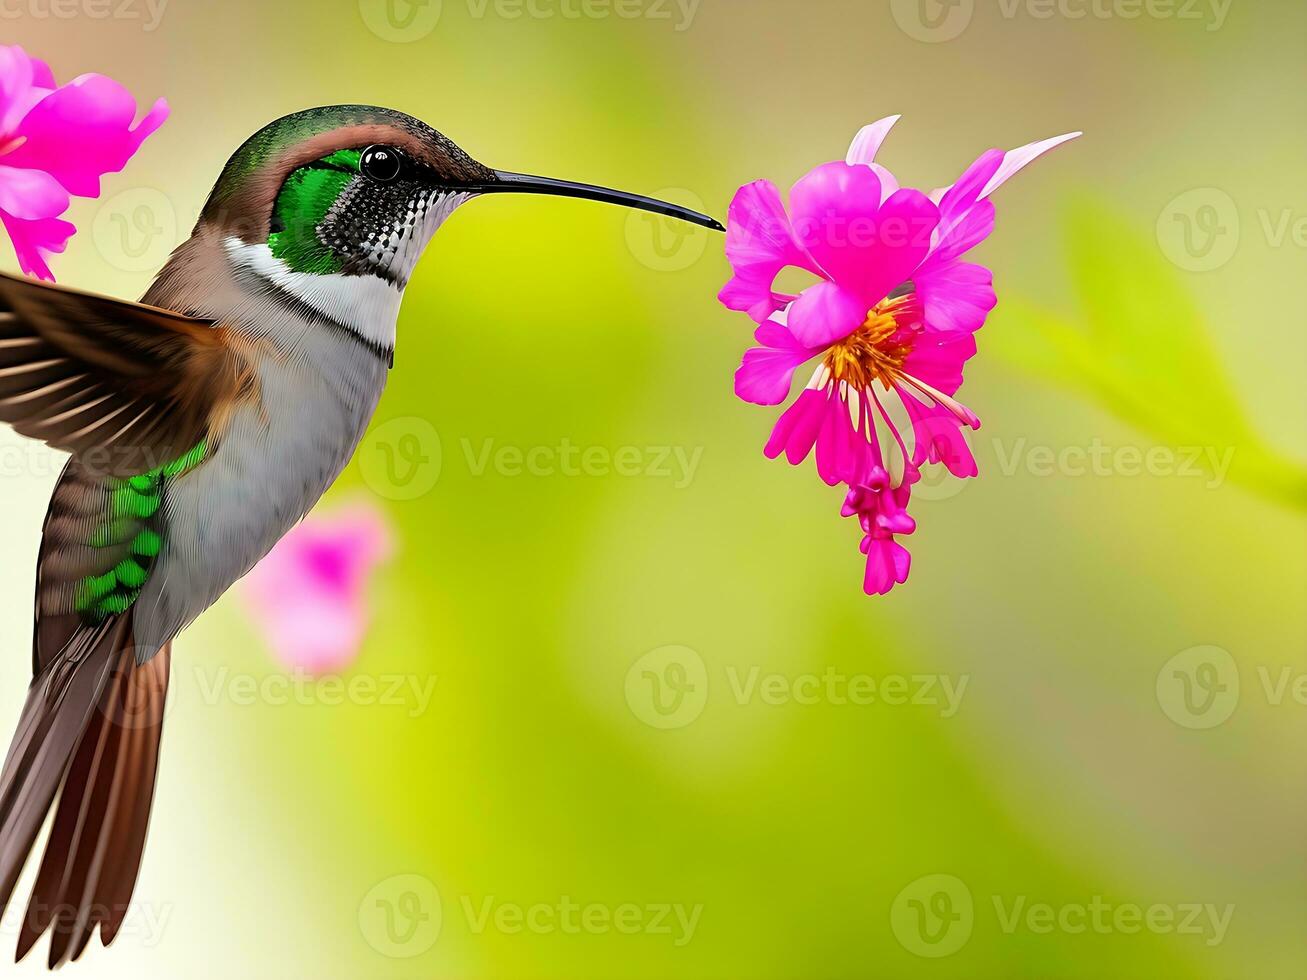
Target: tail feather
[91, 861]
[59, 706]
[140, 766]
[105, 760]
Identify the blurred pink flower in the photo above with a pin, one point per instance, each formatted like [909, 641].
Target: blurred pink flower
[892, 317]
[57, 141]
[309, 595]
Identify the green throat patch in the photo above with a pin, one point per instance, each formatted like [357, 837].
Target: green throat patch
[302, 204]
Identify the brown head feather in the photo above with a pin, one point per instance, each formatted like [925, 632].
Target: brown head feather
[241, 201]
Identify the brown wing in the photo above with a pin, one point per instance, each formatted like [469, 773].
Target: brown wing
[122, 386]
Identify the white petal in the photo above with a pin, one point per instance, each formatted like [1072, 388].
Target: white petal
[1016, 160]
[888, 182]
[867, 143]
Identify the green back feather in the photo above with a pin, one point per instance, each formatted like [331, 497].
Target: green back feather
[131, 537]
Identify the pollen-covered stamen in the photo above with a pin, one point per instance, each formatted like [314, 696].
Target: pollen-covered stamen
[877, 349]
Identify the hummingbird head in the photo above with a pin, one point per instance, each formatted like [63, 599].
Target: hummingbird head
[356, 191]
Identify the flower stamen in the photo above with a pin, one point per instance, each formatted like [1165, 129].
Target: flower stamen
[876, 350]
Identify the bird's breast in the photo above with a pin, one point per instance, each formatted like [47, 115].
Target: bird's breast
[274, 457]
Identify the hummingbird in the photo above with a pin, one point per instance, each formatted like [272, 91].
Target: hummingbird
[202, 423]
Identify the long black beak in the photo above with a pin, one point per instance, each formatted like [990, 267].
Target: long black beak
[511, 183]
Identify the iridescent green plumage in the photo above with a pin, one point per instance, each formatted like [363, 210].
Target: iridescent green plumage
[301, 207]
[132, 519]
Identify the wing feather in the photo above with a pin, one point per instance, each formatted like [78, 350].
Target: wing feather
[125, 387]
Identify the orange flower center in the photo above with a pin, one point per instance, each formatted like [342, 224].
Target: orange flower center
[870, 353]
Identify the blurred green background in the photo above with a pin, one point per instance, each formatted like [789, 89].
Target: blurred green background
[563, 755]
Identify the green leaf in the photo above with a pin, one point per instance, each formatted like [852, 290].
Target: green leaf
[1148, 333]
[1145, 353]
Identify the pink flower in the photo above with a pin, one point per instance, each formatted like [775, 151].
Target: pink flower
[57, 141]
[309, 595]
[891, 317]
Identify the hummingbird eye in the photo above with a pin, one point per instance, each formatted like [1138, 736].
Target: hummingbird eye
[381, 163]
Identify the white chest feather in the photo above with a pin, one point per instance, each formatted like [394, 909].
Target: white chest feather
[367, 305]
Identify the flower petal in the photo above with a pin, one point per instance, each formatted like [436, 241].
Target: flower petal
[835, 207]
[1014, 161]
[962, 196]
[309, 595]
[868, 141]
[825, 313]
[35, 240]
[843, 453]
[888, 564]
[759, 244]
[83, 130]
[889, 184]
[939, 437]
[938, 359]
[960, 237]
[796, 430]
[24, 81]
[765, 374]
[31, 194]
[965, 218]
[864, 245]
[956, 298]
